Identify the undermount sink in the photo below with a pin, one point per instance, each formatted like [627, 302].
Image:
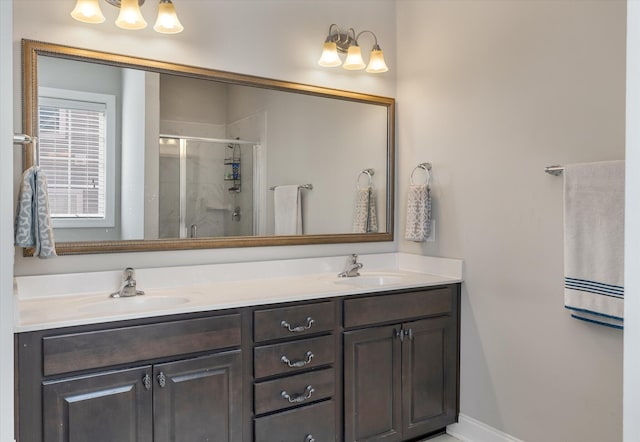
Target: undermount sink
[133, 304]
[372, 280]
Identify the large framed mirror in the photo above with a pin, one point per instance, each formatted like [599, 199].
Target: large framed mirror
[147, 155]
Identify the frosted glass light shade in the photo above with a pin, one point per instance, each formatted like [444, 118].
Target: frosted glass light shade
[376, 62]
[87, 11]
[354, 60]
[167, 22]
[329, 57]
[130, 16]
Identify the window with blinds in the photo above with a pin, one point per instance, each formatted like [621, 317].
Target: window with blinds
[74, 154]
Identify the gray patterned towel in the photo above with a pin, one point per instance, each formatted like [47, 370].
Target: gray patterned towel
[418, 227]
[33, 222]
[366, 217]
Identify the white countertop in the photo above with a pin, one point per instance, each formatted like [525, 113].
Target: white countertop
[53, 301]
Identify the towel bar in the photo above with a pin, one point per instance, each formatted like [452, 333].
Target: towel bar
[301, 186]
[369, 172]
[424, 166]
[554, 170]
[24, 140]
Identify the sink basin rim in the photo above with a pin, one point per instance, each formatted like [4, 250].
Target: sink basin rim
[132, 304]
[373, 279]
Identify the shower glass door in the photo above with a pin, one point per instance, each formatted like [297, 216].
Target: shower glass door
[201, 193]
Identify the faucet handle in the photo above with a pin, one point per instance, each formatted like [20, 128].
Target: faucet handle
[129, 274]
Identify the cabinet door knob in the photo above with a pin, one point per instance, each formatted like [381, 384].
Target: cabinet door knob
[162, 380]
[146, 381]
[399, 334]
[297, 398]
[300, 328]
[409, 333]
[298, 364]
[309, 438]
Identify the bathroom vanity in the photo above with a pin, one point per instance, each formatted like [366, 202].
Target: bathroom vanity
[353, 364]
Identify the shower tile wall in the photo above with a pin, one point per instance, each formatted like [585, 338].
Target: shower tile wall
[169, 191]
[207, 202]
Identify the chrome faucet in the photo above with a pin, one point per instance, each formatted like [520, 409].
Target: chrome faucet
[351, 267]
[128, 288]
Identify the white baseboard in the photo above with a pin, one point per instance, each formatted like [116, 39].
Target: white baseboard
[471, 430]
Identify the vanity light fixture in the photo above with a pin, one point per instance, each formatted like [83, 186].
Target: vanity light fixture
[88, 11]
[130, 17]
[347, 42]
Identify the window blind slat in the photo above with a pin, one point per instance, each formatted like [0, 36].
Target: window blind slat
[73, 155]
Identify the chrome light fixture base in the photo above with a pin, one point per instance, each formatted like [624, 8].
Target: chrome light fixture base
[342, 41]
[116, 3]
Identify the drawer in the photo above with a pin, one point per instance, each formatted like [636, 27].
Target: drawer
[293, 356]
[287, 322]
[300, 388]
[397, 307]
[314, 422]
[84, 351]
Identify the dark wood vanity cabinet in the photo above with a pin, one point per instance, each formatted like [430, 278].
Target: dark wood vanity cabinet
[401, 377]
[295, 374]
[199, 399]
[185, 401]
[98, 407]
[133, 383]
[376, 367]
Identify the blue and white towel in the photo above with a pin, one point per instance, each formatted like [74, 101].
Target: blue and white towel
[33, 222]
[594, 242]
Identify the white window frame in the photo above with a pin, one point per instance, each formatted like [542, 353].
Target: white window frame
[48, 94]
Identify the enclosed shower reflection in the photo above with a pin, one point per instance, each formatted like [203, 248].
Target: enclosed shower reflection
[206, 187]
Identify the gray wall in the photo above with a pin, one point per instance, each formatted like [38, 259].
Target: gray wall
[632, 239]
[6, 225]
[491, 92]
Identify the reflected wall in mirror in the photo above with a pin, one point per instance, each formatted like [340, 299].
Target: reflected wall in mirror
[147, 155]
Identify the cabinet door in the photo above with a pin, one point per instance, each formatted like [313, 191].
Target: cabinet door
[372, 383]
[104, 407]
[199, 399]
[429, 375]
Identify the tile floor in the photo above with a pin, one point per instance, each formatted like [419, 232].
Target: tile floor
[444, 438]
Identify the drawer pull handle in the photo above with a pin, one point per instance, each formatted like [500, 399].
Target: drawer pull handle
[300, 328]
[296, 399]
[297, 364]
[146, 381]
[162, 380]
[309, 438]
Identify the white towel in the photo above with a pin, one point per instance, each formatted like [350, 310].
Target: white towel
[287, 207]
[365, 219]
[33, 222]
[418, 226]
[594, 241]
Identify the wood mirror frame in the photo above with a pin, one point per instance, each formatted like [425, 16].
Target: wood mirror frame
[32, 49]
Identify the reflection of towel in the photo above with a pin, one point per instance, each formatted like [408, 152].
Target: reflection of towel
[33, 223]
[366, 218]
[288, 210]
[594, 241]
[418, 227]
